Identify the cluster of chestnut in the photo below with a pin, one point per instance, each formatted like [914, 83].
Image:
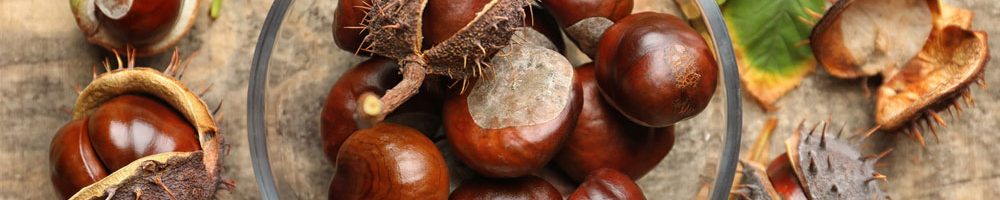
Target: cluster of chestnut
[604, 124]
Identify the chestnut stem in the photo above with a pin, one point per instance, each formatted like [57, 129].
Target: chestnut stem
[413, 77]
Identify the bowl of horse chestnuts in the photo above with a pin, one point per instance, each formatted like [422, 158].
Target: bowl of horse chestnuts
[486, 99]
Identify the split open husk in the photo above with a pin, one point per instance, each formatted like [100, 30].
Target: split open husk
[185, 175]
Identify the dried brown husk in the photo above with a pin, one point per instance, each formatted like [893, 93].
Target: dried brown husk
[953, 58]
[861, 38]
[173, 175]
[395, 31]
[85, 12]
[924, 50]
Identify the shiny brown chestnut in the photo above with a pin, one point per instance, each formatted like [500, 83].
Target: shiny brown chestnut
[586, 20]
[525, 187]
[608, 184]
[130, 127]
[783, 178]
[140, 130]
[347, 19]
[569, 12]
[542, 21]
[444, 18]
[655, 69]
[339, 117]
[512, 124]
[149, 26]
[389, 161]
[74, 163]
[139, 20]
[603, 138]
[120, 131]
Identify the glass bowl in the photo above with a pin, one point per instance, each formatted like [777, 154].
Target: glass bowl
[296, 62]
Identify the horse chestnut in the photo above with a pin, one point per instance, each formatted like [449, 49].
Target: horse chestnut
[139, 20]
[586, 20]
[74, 163]
[339, 117]
[525, 187]
[347, 31]
[444, 18]
[569, 12]
[655, 69]
[151, 26]
[511, 125]
[607, 184]
[130, 127]
[783, 178]
[140, 132]
[389, 161]
[605, 139]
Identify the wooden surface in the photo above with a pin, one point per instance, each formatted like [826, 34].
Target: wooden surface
[44, 56]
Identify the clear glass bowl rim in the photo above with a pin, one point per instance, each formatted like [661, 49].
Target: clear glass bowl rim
[711, 14]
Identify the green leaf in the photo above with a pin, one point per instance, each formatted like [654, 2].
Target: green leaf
[771, 42]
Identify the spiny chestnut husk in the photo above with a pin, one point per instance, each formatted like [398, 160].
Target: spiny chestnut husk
[603, 138]
[817, 165]
[339, 118]
[655, 69]
[389, 161]
[928, 57]
[509, 126]
[395, 30]
[585, 21]
[150, 26]
[952, 59]
[525, 187]
[155, 138]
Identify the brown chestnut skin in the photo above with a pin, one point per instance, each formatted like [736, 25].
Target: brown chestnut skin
[130, 127]
[603, 138]
[389, 161]
[145, 19]
[655, 69]
[511, 151]
[569, 12]
[542, 21]
[444, 18]
[74, 164]
[339, 115]
[607, 184]
[525, 187]
[349, 15]
[784, 180]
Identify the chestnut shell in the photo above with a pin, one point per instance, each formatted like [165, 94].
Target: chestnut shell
[603, 138]
[525, 187]
[784, 180]
[339, 116]
[349, 15]
[607, 184]
[443, 18]
[511, 151]
[568, 12]
[655, 69]
[389, 161]
[130, 127]
[74, 164]
[145, 20]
